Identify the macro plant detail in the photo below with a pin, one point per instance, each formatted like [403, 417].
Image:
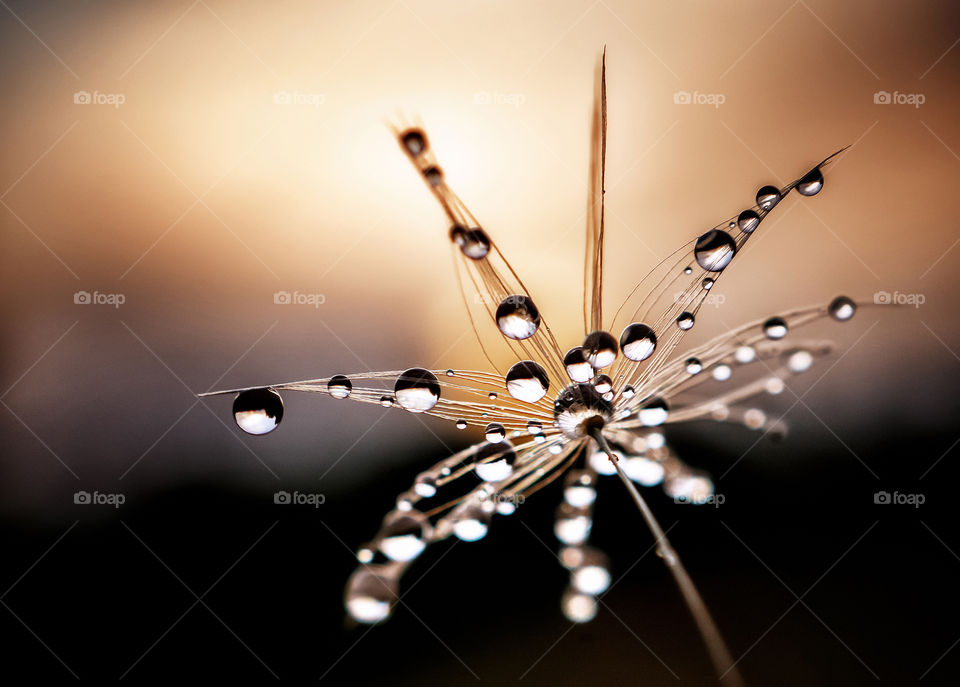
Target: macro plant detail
[597, 408]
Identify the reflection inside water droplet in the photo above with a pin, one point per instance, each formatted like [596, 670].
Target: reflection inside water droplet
[258, 411]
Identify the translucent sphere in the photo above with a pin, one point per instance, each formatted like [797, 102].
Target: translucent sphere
[517, 317]
[576, 365]
[527, 381]
[599, 349]
[714, 250]
[339, 386]
[775, 328]
[638, 341]
[371, 593]
[258, 411]
[417, 390]
[473, 243]
[414, 141]
[842, 308]
[402, 537]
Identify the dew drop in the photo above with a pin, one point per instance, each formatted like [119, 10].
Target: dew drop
[768, 197]
[643, 471]
[688, 270]
[386, 401]
[433, 175]
[417, 390]
[339, 386]
[425, 485]
[371, 593]
[603, 384]
[747, 221]
[714, 250]
[494, 461]
[518, 317]
[592, 579]
[638, 341]
[474, 243]
[774, 386]
[799, 361]
[461, 424]
[402, 536]
[811, 183]
[414, 141]
[527, 381]
[258, 411]
[534, 427]
[693, 366]
[495, 433]
[578, 369]
[775, 328]
[449, 373]
[685, 320]
[579, 489]
[599, 348]
[470, 523]
[654, 412]
[492, 395]
[754, 418]
[628, 392]
[572, 525]
[707, 283]
[578, 607]
[745, 354]
[722, 372]
[842, 308]
[689, 487]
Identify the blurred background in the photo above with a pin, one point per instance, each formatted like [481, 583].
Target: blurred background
[169, 167]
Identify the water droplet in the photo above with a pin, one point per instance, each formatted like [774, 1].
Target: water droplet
[470, 522]
[722, 372]
[371, 593]
[578, 607]
[754, 418]
[714, 250]
[685, 320]
[518, 317]
[654, 412]
[579, 409]
[707, 283]
[386, 401]
[689, 487]
[799, 361]
[578, 369]
[461, 424]
[593, 578]
[365, 555]
[449, 373]
[495, 460]
[775, 328]
[534, 427]
[768, 197]
[748, 220]
[842, 308]
[744, 354]
[495, 432]
[774, 386]
[572, 525]
[402, 535]
[811, 183]
[643, 471]
[693, 366]
[414, 141]
[638, 341]
[258, 411]
[600, 462]
[579, 489]
[492, 395]
[425, 485]
[603, 384]
[628, 392]
[527, 381]
[688, 270]
[474, 243]
[339, 386]
[433, 175]
[417, 390]
[506, 507]
[599, 348]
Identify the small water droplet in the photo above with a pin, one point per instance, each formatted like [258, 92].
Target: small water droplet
[474, 243]
[433, 175]
[414, 141]
[599, 348]
[572, 525]
[517, 317]
[745, 354]
[628, 392]
[470, 523]
[799, 361]
[842, 308]
[527, 381]
[714, 250]
[775, 328]
[492, 395]
[768, 197]
[339, 386]
[495, 461]
[386, 401]
[534, 427]
[449, 373]
[578, 607]
[425, 485]
[754, 418]
[578, 369]
[685, 320]
[258, 411]
[688, 270]
[811, 183]
[707, 283]
[654, 412]
[371, 593]
[461, 424]
[693, 366]
[603, 384]
[638, 341]
[417, 390]
[722, 372]
[495, 433]
[748, 220]
[774, 386]
[402, 535]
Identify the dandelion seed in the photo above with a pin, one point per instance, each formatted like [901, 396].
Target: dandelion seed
[563, 412]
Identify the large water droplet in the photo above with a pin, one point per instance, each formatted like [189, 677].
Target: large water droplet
[402, 537]
[339, 386]
[371, 593]
[714, 250]
[495, 432]
[474, 243]
[495, 461]
[470, 522]
[527, 381]
[417, 390]
[638, 341]
[654, 412]
[775, 328]
[414, 141]
[685, 320]
[811, 183]
[693, 366]
[578, 369]
[604, 386]
[842, 308]
[768, 197]
[600, 348]
[258, 411]
[747, 221]
[518, 317]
